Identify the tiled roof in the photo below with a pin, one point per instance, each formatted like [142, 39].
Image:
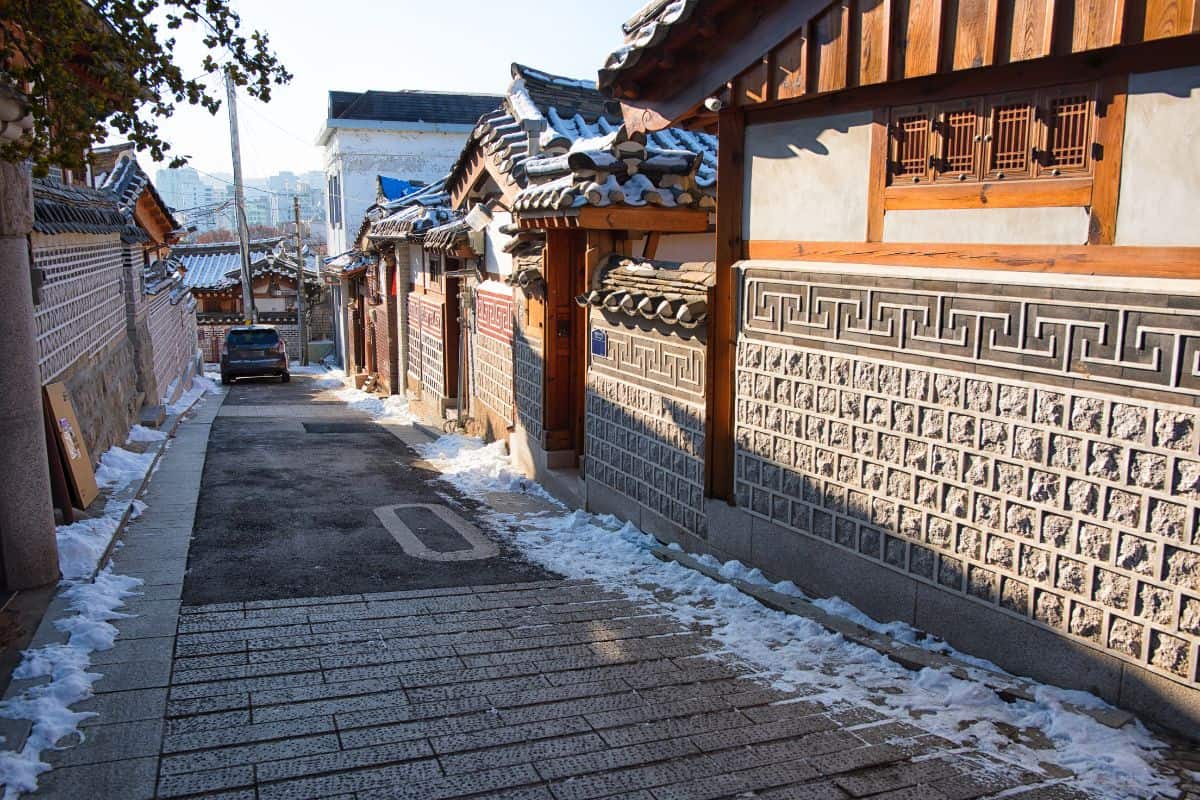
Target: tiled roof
[127, 181]
[558, 144]
[671, 293]
[411, 106]
[215, 267]
[448, 236]
[412, 215]
[648, 28]
[59, 208]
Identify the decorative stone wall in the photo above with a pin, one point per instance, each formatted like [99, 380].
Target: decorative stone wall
[433, 375]
[81, 308]
[527, 382]
[645, 418]
[415, 342]
[320, 317]
[171, 324]
[492, 352]
[1034, 449]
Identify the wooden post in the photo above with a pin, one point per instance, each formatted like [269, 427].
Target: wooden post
[28, 549]
[722, 333]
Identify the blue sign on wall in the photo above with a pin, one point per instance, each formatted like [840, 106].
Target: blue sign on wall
[600, 343]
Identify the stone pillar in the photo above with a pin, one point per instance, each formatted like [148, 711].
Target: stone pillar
[27, 541]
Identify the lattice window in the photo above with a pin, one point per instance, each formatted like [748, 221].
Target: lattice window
[1068, 134]
[1011, 139]
[910, 146]
[958, 141]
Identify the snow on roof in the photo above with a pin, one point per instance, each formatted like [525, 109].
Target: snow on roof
[558, 144]
[647, 28]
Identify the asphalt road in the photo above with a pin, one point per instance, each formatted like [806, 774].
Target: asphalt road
[288, 498]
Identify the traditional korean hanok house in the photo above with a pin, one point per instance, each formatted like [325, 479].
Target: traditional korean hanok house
[566, 188]
[416, 296]
[213, 274]
[160, 312]
[955, 334]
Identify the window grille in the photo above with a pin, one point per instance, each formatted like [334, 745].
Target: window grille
[1011, 138]
[911, 146]
[1068, 140]
[960, 136]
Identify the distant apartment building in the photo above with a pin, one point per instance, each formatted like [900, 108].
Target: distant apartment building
[412, 135]
[190, 197]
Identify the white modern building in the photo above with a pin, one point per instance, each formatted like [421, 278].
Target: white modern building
[410, 135]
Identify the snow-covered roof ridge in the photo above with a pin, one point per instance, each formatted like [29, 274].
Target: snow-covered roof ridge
[557, 144]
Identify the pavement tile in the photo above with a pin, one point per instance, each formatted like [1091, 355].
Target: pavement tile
[128, 779]
[342, 782]
[207, 705]
[134, 675]
[194, 690]
[337, 705]
[208, 722]
[111, 742]
[241, 671]
[248, 754]
[157, 648]
[343, 760]
[202, 782]
[479, 739]
[405, 712]
[615, 758]
[479, 783]
[131, 706]
[324, 691]
[365, 737]
[244, 734]
[523, 753]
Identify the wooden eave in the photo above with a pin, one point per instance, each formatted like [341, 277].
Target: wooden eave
[153, 218]
[479, 167]
[768, 55]
[650, 219]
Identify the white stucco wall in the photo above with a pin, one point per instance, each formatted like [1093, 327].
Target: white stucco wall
[808, 179]
[1160, 162]
[361, 155]
[1066, 226]
[496, 261]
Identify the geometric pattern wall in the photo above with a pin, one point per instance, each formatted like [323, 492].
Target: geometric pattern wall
[82, 304]
[645, 420]
[1077, 510]
[492, 371]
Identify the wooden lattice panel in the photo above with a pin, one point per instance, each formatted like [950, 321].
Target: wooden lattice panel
[1068, 136]
[1011, 138]
[910, 146]
[960, 142]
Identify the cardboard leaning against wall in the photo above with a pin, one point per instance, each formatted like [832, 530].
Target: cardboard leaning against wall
[80, 476]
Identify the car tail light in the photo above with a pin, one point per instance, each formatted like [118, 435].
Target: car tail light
[279, 348]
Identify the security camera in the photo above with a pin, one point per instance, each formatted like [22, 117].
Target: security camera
[714, 104]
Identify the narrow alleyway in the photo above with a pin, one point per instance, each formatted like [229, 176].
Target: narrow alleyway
[300, 645]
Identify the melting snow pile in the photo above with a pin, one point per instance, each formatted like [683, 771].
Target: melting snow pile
[201, 385]
[382, 409]
[795, 652]
[48, 704]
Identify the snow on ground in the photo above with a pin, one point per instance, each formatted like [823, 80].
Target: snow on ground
[383, 409]
[68, 682]
[140, 433]
[201, 385]
[795, 653]
[94, 603]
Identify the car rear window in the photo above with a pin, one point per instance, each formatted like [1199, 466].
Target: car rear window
[253, 338]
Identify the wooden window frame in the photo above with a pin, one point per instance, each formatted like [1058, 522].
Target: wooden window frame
[1037, 184]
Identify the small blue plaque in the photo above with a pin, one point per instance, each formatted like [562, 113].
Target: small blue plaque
[600, 343]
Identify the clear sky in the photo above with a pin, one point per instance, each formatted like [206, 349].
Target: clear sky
[448, 45]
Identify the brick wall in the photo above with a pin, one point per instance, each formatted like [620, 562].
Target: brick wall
[645, 418]
[320, 318]
[1030, 449]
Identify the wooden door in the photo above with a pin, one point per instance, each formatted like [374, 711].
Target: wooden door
[564, 342]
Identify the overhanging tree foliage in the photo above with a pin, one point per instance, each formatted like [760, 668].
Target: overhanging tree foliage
[89, 66]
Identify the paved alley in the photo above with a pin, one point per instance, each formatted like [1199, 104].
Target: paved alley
[296, 644]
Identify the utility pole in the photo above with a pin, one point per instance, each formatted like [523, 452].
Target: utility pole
[249, 312]
[301, 322]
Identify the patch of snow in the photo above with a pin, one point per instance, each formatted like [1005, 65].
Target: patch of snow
[48, 705]
[382, 409]
[201, 385]
[140, 433]
[82, 543]
[120, 467]
[794, 652]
